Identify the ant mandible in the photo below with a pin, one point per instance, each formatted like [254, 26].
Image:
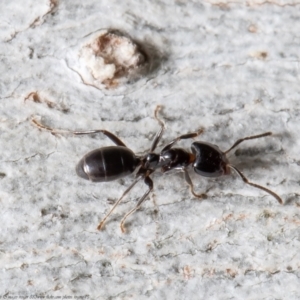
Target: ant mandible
[115, 162]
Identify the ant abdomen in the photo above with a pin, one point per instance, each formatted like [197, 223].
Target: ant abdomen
[107, 164]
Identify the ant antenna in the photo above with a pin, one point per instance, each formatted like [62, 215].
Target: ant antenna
[256, 185]
[247, 138]
[242, 175]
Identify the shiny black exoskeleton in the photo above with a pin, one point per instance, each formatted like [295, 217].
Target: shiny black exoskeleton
[210, 161]
[115, 162]
[107, 164]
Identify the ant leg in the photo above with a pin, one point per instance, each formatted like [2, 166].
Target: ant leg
[182, 137]
[160, 131]
[248, 138]
[110, 135]
[149, 182]
[190, 183]
[117, 203]
[256, 185]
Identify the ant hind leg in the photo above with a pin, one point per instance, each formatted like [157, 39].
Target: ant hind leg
[54, 131]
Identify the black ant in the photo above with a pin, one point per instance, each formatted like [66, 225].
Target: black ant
[115, 162]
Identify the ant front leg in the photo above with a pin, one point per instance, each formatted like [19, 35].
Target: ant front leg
[182, 137]
[110, 135]
[187, 178]
[190, 183]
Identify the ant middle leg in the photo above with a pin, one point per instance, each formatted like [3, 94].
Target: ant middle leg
[160, 131]
[148, 181]
[247, 138]
[110, 135]
[100, 226]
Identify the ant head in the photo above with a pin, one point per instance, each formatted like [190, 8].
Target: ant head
[151, 160]
[210, 161]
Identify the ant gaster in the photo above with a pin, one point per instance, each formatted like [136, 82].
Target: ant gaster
[115, 162]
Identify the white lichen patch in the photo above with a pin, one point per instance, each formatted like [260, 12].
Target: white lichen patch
[110, 59]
